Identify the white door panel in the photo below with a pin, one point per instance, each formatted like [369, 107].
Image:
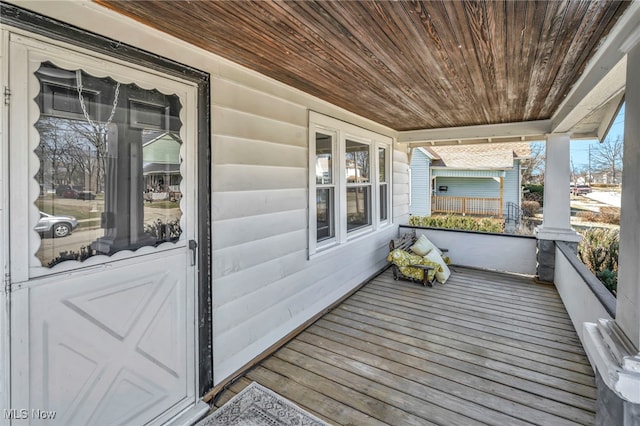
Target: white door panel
[106, 350]
[108, 339]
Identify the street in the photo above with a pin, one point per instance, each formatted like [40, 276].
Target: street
[51, 247]
[605, 197]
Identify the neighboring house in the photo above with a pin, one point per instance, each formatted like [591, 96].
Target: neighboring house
[482, 180]
[420, 178]
[161, 163]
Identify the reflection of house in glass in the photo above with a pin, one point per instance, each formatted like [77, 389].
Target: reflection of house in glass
[161, 165]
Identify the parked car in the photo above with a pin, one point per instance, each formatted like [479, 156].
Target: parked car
[61, 189]
[78, 195]
[85, 195]
[56, 226]
[68, 193]
[581, 189]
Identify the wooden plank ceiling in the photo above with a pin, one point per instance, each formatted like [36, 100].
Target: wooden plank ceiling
[406, 64]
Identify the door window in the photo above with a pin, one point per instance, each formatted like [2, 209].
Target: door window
[109, 166]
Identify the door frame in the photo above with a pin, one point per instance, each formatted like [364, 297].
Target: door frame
[18, 20]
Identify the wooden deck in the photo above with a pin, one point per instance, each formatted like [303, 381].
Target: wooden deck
[486, 348]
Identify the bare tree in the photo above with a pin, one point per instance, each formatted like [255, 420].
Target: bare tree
[50, 151]
[607, 157]
[579, 173]
[534, 166]
[70, 152]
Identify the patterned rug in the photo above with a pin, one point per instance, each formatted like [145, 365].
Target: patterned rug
[256, 405]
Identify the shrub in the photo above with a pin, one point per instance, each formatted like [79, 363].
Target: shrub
[466, 223]
[539, 189]
[530, 208]
[599, 250]
[609, 279]
[609, 215]
[605, 185]
[82, 255]
[588, 216]
[533, 193]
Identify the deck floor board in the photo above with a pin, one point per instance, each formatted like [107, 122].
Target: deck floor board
[485, 348]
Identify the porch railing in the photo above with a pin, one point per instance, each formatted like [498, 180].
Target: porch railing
[514, 213]
[467, 205]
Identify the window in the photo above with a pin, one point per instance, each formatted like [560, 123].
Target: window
[349, 181]
[357, 170]
[383, 183]
[325, 186]
[109, 166]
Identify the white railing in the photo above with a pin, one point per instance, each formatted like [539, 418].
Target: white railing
[498, 252]
[584, 296]
[467, 205]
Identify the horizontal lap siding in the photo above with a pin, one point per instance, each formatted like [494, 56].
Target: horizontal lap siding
[264, 285]
[512, 185]
[400, 198]
[483, 187]
[420, 192]
[468, 187]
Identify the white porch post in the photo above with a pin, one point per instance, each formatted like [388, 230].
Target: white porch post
[613, 345]
[628, 294]
[556, 225]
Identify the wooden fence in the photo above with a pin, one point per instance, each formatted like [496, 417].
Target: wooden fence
[467, 205]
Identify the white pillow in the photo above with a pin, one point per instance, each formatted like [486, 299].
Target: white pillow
[423, 246]
[443, 274]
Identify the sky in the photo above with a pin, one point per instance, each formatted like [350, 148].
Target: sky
[580, 148]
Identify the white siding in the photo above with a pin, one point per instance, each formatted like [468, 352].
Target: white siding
[400, 196]
[420, 188]
[264, 286]
[512, 185]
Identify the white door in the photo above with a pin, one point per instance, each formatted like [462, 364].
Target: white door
[102, 304]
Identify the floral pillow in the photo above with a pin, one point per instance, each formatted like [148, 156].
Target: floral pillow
[402, 259]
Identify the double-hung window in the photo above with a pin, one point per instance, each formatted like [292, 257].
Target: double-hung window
[349, 181]
[383, 183]
[357, 161]
[325, 185]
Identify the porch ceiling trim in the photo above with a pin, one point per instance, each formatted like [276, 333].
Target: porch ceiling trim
[435, 172]
[487, 133]
[592, 117]
[599, 73]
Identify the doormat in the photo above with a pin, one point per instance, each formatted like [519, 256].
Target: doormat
[256, 405]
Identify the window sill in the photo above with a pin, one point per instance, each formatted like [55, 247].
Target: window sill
[352, 237]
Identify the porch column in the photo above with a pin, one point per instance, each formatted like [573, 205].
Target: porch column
[556, 225]
[613, 345]
[628, 294]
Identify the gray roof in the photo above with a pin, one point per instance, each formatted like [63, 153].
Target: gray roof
[479, 156]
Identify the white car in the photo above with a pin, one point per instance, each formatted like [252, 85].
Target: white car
[56, 226]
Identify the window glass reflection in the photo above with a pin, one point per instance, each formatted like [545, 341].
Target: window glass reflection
[324, 158]
[109, 170]
[358, 207]
[357, 162]
[324, 213]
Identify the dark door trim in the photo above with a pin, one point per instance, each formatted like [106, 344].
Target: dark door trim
[21, 18]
